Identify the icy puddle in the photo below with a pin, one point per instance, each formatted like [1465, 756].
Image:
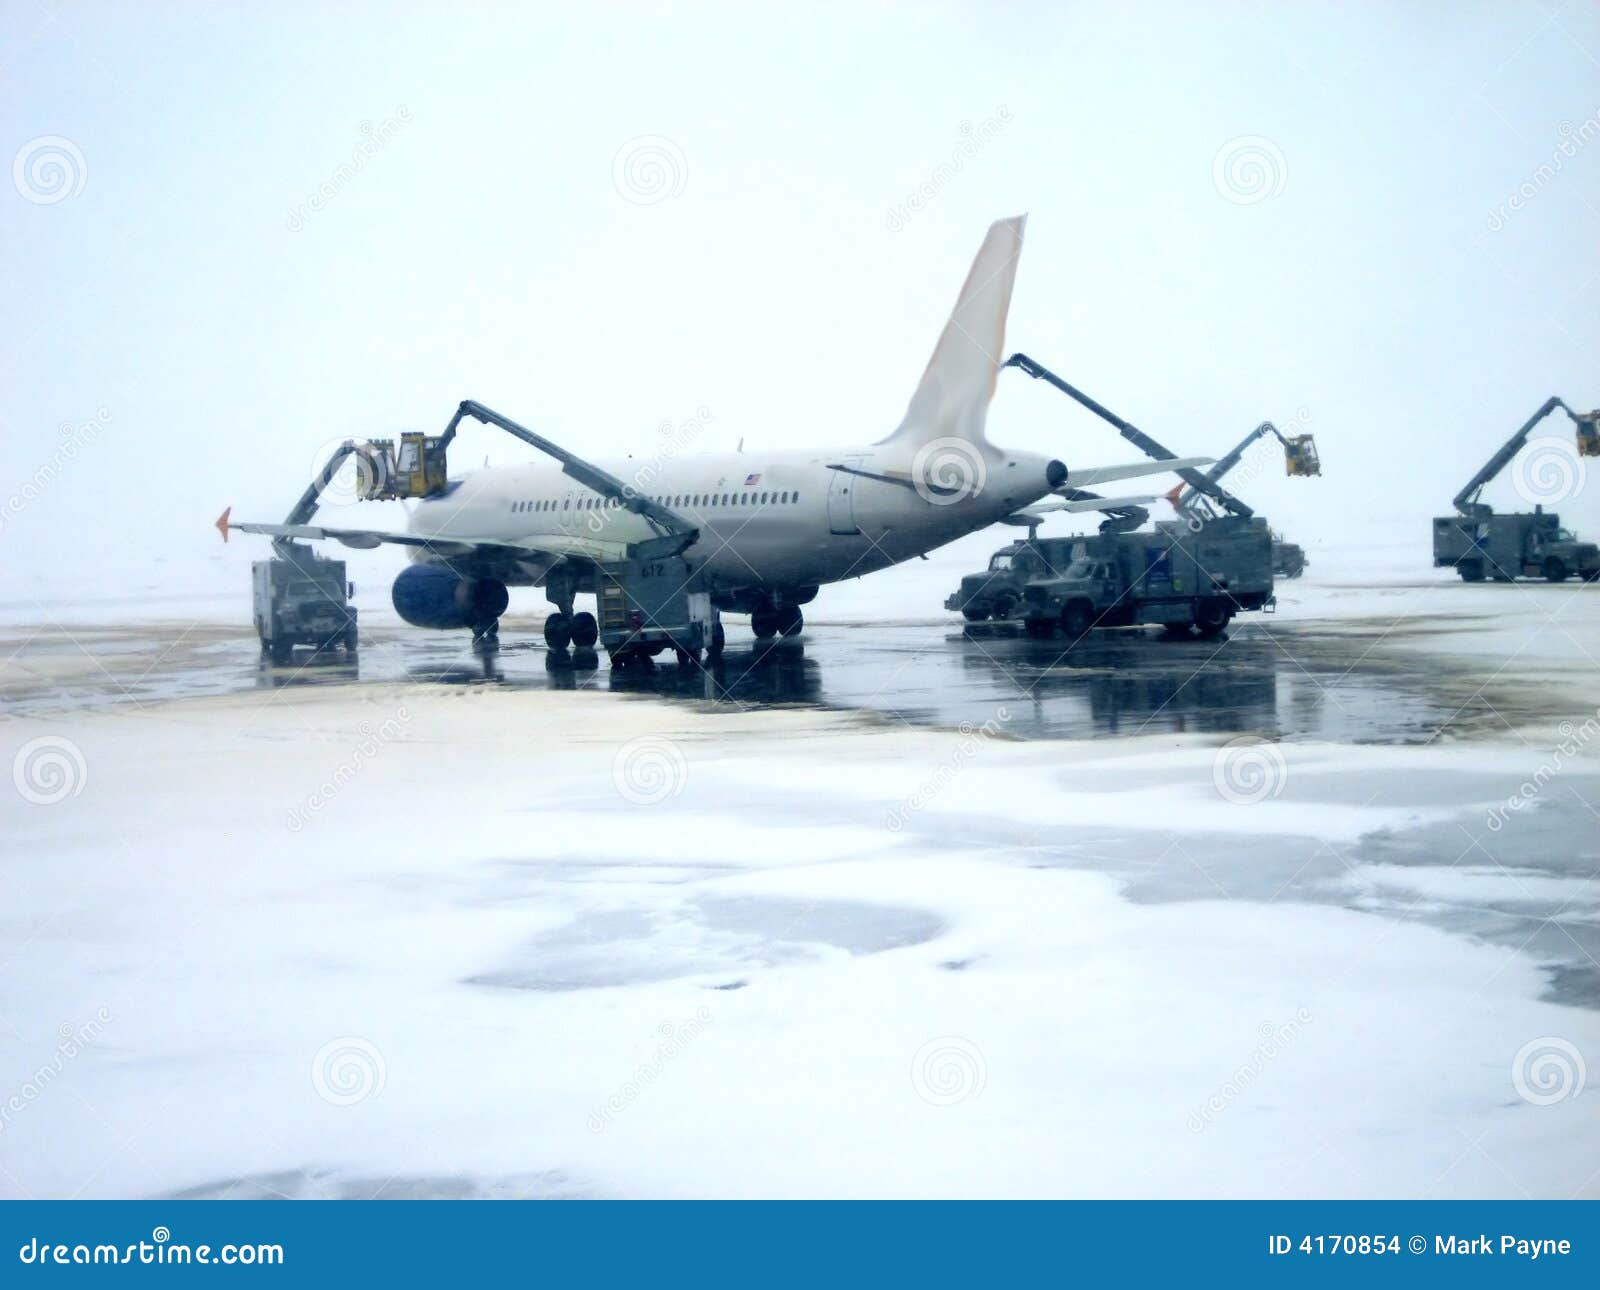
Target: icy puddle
[1297, 681]
[709, 937]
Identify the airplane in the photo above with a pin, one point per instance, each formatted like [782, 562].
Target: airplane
[760, 532]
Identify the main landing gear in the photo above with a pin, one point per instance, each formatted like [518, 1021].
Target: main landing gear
[767, 621]
[564, 628]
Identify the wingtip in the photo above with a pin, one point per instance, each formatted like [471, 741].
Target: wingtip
[222, 522]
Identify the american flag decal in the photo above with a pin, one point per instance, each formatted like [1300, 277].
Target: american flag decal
[751, 480]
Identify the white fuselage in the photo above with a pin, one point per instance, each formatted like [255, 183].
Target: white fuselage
[764, 519]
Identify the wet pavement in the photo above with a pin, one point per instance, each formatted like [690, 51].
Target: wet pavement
[1288, 681]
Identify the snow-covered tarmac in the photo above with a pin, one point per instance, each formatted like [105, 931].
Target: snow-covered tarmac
[390, 936]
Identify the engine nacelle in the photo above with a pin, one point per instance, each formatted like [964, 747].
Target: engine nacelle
[430, 595]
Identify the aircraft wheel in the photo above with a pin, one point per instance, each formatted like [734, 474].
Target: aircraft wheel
[1555, 570]
[558, 631]
[719, 640]
[585, 631]
[764, 623]
[790, 620]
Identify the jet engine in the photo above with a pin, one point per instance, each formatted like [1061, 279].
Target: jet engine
[430, 595]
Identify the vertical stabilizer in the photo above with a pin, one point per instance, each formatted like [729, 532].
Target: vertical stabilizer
[952, 400]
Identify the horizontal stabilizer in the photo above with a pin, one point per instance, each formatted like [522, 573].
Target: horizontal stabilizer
[1088, 475]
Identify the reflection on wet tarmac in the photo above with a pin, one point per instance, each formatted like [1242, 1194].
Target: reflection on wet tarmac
[1294, 681]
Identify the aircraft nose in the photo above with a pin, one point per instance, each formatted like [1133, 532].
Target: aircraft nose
[1055, 473]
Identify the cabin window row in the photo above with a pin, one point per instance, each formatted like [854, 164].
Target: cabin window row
[698, 500]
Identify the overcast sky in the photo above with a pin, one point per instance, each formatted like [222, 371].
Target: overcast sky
[597, 219]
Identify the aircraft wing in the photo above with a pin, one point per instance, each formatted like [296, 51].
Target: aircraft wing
[555, 545]
[1082, 478]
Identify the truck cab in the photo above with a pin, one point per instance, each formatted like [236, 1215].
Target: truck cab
[996, 593]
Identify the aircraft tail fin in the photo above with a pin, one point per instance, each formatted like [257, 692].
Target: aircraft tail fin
[952, 400]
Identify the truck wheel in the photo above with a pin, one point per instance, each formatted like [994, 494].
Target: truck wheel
[1005, 607]
[1039, 628]
[1555, 570]
[280, 651]
[1471, 571]
[585, 631]
[557, 631]
[1076, 619]
[1212, 618]
[974, 615]
[352, 639]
